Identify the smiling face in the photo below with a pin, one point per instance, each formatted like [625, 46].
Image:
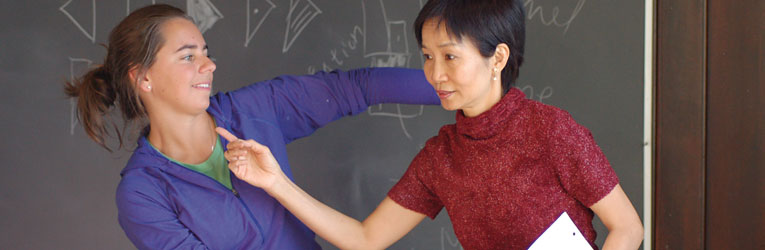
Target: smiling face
[180, 80]
[463, 79]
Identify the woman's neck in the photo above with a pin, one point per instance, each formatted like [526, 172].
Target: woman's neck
[492, 97]
[187, 139]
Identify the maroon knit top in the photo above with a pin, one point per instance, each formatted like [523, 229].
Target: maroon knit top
[505, 175]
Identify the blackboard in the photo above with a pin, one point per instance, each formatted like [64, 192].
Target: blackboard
[57, 186]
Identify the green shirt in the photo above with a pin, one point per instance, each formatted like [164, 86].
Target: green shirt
[215, 166]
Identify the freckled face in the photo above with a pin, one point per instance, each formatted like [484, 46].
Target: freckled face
[458, 72]
[181, 76]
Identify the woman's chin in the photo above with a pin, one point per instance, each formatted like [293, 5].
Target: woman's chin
[448, 107]
[203, 105]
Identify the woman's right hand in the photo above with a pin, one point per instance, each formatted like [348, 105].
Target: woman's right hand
[251, 161]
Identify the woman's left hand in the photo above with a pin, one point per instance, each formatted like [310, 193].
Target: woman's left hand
[251, 161]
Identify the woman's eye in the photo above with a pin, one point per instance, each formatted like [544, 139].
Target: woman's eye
[450, 57]
[427, 57]
[188, 58]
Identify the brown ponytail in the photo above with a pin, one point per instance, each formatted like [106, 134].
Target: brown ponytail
[133, 45]
[95, 97]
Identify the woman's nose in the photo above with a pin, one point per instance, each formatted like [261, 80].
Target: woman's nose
[208, 65]
[438, 73]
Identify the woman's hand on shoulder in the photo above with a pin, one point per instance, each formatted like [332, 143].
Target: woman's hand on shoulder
[251, 161]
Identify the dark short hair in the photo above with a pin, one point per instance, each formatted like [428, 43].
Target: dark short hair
[487, 23]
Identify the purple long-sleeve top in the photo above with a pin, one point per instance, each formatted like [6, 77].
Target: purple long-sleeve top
[163, 205]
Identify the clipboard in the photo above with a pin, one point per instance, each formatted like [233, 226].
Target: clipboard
[562, 234]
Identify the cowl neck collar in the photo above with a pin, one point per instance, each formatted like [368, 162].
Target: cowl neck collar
[492, 121]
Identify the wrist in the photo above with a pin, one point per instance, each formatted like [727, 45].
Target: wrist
[278, 186]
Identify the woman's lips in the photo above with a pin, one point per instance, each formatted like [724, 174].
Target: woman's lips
[444, 94]
[206, 85]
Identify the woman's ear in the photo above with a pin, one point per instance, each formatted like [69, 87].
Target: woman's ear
[501, 55]
[141, 80]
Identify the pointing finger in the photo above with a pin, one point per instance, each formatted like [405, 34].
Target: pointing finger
[223, 132]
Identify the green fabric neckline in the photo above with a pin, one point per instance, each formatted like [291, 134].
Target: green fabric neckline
[214, 167]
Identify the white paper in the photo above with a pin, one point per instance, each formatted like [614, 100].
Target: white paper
[562, 234]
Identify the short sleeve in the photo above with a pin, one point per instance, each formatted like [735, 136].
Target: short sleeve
[581, 166]
[412, 190]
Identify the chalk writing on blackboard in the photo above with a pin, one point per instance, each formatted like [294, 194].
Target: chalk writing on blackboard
[297, 21]
[451, 243]
[338, 55]
[398, 114]
[204, 13]
[127, 11]
[551, 19]
[395, 54]
[259, 15]
[92, 34]
[76, 65]
[539, 95]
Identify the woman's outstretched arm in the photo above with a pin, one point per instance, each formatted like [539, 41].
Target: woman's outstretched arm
[253, 163]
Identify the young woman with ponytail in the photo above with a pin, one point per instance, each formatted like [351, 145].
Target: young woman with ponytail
[176, 190]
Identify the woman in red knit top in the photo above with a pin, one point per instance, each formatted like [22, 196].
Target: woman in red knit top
[507, 168]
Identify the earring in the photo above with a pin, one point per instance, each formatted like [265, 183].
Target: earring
[148, 86]
[494, 76]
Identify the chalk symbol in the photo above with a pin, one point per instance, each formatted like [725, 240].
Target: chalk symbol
[298, 22]
[445, 238]
[92, 34]
[254, 12]
[540, 96]
[396, 54]
[72, 101]
[393, 53]
[127, 12]
[533, 10]
[204, 13]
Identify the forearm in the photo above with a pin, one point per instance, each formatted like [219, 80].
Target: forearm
[335, 227]
[628, 237]
[625, 231]
[254, 163]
